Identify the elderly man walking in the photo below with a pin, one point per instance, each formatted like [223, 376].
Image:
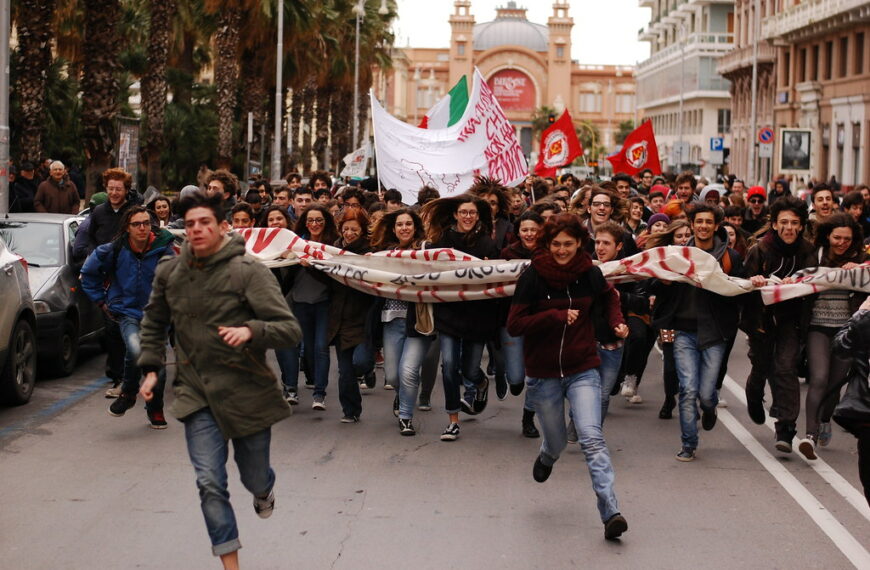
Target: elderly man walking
[227, 310]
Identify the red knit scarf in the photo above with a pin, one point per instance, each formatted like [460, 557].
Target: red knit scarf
[560, 276]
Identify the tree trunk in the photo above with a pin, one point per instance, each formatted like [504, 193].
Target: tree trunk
[296, 121]
[321, 140]
[308, 95]
[35, 33]
[226, 80]
[340, 105]
[154, 86]
[100, 88]
[255, 99]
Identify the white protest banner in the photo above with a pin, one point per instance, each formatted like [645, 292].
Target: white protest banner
[816, 279]
[483, 142]
[355, 162]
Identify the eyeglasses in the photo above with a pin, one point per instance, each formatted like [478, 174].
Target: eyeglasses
[140, 224]
[756, 201]
[466, 213]
[601, 204]
[315, 221]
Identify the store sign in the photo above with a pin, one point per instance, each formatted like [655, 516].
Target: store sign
[514, 90]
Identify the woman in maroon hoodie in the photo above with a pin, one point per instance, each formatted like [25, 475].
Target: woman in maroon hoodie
[552, 309]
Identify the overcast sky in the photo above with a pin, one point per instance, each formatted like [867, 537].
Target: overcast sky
[604, 32]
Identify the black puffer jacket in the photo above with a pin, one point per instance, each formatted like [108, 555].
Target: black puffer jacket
[469, 320]
[853, 341]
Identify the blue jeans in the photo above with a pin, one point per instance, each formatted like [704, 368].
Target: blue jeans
[129, 328]
[363, 358]
[697, 371]
[611, 360]
[514, 365]
[348, 388]
[314, 320]
[459, 359]
[208, 452]
[394, 342]
[413, 354]
[583, 392]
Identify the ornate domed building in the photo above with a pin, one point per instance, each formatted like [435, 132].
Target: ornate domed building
[527, 65]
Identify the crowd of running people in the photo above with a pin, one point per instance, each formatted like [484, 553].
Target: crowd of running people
[566, 335]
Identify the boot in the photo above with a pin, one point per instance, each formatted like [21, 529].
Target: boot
[529, 429]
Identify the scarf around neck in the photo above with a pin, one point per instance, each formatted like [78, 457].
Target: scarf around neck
[560, 276]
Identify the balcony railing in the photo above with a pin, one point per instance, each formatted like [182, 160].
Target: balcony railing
[807, 13]
[704, 42]
[739, 58]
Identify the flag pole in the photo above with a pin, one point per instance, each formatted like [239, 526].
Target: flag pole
[374, 140]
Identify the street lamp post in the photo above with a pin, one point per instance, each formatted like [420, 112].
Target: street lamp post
[359, 10]
[679, 152]
[279, 91]
[754, 112]
[5, 17]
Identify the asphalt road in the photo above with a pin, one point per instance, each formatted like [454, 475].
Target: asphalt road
[82, 489]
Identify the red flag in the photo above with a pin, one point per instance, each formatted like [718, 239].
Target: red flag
[639, 151]
[559, 146]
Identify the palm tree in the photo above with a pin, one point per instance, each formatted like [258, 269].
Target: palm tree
[154, 86]
[33, 19]
[226, 74]
[100, 87]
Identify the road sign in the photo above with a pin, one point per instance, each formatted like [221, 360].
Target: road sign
[680, 153]
[717, 143]
[717, 157]
[765, 135]
[765, 151]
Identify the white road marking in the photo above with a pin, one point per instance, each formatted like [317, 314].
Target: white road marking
[842, 538]
[851, 495]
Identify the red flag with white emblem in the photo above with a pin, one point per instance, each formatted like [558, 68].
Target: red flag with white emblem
[639, 151]
[559, 146]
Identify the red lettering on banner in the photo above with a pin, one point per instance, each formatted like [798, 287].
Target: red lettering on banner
[263, 239]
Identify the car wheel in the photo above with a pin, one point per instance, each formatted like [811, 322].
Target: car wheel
[19, 373]
[67, 351]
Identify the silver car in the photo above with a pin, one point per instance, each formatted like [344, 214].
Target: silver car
[65, 316]
[17, 330]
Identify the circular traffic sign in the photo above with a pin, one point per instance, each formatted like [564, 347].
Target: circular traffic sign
[765, 135]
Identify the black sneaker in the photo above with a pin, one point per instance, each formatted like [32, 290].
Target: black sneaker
[480, 398]
[615, 526]
[541, 472]
[291, 397]
[451, 433]
[371, 380]
[264, 506]
[686, 454]
[406, 427]
[708, 419]
[424, 405]
[156, 419]
[396, 405]
[529, 429]
[807, 447]
[783, 443]
[501, 386]
[517, 389]
[667, 411]
[467, 407]
[755, 406]
[120, 406]
[350, 419]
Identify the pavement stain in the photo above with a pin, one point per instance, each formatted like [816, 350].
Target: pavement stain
[329, 456]
[352, 518]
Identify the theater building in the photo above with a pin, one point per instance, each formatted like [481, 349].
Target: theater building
[527, 65]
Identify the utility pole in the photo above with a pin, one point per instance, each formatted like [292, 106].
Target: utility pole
[5, 25]
[358, 10]
[279, 92]
[679, 152]
[753, 120]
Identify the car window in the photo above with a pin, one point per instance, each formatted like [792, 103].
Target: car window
[37, 242]
[73, 228]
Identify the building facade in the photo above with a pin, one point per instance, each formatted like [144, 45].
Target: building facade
[527, 65]
[822, 83]
[679, 87]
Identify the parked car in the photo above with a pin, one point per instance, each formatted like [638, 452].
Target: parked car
[17, 330]
[65, 316]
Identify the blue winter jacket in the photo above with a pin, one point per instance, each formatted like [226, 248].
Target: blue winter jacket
[121, 278]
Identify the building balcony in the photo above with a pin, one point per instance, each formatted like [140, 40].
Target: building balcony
[820, 15]
[715, 45]
[646, 35]
[740, 58]
[646, 3]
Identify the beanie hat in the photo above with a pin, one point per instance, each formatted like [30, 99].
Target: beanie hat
[97, 199]
[660, 188]
[756, 191]
[658, 218]
[188, 190]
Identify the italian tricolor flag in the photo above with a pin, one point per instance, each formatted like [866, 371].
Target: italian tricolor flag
[449, 109]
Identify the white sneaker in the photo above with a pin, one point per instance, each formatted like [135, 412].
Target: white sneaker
[636, 399]
[264, 506]
[722, 403]
[629, 386]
